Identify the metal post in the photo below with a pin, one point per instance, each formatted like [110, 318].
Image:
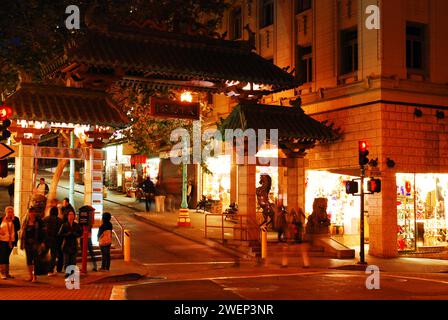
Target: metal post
[71, 193]
[85, 236]
[264, 243]
[361, 252]
[127, 246]
[184, 217]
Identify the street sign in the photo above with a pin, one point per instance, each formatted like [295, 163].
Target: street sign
[164, 108]
[5, 151]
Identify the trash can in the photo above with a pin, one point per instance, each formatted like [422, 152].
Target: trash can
[160, 203]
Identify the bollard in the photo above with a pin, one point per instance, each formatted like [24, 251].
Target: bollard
[127, 246]
[285, 256]
[264, 243]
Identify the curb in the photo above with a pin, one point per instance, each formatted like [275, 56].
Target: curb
[209, 243]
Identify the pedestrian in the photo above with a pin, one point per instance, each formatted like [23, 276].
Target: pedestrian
[281, 224]
[105, 241]
[9, 230]
[32, 240]
[70, 232]
[11, 192]
[91, 211]
[42, 188]
[52, 225]
[66, 208]
[190, 191]
[149, 189]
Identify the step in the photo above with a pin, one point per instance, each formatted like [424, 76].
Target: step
[335, 248]
[116, 256]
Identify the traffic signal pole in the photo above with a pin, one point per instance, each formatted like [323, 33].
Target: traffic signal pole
[361, 251]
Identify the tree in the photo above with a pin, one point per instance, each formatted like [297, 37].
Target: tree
[33, 32]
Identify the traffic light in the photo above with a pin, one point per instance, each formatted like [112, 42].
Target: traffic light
[363, 153]
[5, 123]
[351, 187]
[374, 185]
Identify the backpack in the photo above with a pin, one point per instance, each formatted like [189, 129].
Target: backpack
[106, 238]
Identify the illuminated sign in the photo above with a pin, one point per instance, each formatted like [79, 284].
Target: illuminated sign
[164, 108]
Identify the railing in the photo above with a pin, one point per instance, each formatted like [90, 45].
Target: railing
[120, 235]
[237, 227]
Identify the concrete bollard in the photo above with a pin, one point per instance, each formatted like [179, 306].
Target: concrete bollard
[264, 243]
[127, 246]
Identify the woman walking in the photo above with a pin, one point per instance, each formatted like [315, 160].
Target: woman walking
[105, 241]
[9, 229]
[70, 232]
[32, 240]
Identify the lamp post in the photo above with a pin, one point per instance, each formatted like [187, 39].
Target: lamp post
[184, 217]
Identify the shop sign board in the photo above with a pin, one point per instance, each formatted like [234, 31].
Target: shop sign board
[62, 153]
[164, 108]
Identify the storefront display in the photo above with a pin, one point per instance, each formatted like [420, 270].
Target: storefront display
[421, 211]
[343, 209]
[216, 186]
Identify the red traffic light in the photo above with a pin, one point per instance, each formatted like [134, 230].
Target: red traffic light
[362, 146]
[374, 185]
[363, 153]
[5, 112]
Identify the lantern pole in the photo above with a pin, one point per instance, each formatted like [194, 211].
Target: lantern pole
[184, 216]
[71, 194]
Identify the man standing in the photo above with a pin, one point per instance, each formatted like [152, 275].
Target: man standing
[149, 189]
[52, 225]
[66, 208]
[42, 188]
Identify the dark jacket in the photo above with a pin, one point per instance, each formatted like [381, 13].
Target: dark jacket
[52, 225]
[105, 226]
[70, 235]
[34, 238]
[16, 223]
[148, 186]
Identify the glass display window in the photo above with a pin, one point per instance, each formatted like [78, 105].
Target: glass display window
[421, 210]
[343, 209]
[216, 186]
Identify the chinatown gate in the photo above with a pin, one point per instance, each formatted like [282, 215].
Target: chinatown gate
[139, 57]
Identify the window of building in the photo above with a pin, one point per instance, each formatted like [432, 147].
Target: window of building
[303, 5]
[236, 24]
[267, 13]
[415, 46]
[349, 51]
[304, 64]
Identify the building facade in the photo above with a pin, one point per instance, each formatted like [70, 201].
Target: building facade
[388, 86]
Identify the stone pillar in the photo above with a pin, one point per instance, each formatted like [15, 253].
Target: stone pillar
[383, 219]
[296, 184]
[24, 173]
[247, 199]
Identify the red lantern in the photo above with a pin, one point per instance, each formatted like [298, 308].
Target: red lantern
[5, 112]
[407, 187]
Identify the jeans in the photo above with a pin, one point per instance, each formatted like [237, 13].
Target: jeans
[69, 260]
[148, 200]
[54, 254]
[105, 257]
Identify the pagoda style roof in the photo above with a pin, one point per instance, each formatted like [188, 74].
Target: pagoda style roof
[57, 104]
[296, 130]
[153, 56]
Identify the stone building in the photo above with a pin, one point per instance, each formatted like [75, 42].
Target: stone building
[387, 86]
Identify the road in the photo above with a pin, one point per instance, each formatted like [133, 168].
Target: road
[180, 269]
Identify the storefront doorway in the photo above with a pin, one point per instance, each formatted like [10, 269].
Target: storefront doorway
[421, 211]
[343, 209]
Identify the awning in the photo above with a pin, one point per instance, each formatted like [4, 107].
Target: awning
[157, 56]
[38, 102]
[293, 125]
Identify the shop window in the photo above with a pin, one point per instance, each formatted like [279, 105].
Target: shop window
[415, 46]
[236, 24]
[349, 51]
[266, 13]
[421, 210]
[302, 5]
[304, 64]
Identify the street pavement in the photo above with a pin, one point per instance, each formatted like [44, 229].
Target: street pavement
[174, 267]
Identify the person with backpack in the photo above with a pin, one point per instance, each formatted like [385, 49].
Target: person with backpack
[52, 225]
[105, 241]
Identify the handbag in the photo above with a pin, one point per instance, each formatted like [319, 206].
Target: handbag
[106, 238]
